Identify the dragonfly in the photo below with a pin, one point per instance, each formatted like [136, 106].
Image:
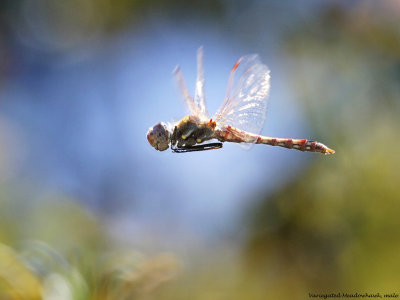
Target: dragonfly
[239, 119]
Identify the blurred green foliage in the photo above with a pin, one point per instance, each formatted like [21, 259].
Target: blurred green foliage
[57, 250]
[336, 226]
[88, 15]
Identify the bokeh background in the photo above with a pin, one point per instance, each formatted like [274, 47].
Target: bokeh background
[88, 210]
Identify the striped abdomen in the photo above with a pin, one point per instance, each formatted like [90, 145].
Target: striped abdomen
[298, 144]
[231, 134]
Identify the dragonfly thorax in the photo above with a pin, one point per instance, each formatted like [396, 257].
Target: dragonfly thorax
[159, 136]
[191, 131]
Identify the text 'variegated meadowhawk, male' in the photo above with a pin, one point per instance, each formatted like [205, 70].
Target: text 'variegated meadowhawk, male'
[240, 119]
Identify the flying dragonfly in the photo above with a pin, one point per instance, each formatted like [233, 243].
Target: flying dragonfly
[240, 118]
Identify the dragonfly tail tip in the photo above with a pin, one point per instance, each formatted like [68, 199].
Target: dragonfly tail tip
[329, 151]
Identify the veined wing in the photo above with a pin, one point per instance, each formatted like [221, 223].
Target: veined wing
[245, 103]
[197, 107]
[199, 95]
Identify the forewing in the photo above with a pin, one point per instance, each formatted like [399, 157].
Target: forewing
[191, 105]
[197, 106]
[245, 103]
[199, 95]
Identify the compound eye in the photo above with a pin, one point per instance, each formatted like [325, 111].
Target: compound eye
[150, 137]
[159, 137]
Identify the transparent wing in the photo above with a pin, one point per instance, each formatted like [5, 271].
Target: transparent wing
[193, 108]
[245, 103]
[199, 95]
[197, 107]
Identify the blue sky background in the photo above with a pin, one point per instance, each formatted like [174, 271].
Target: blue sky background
[82, 118]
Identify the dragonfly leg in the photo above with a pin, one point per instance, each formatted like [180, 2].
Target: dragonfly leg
[184, 149]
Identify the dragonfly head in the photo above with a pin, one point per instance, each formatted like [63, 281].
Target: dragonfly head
[159, 136]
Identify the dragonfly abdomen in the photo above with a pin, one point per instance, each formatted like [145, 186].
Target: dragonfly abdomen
[232, 134]
[298, 144]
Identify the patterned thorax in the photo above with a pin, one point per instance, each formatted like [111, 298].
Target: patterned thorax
[191, 131]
